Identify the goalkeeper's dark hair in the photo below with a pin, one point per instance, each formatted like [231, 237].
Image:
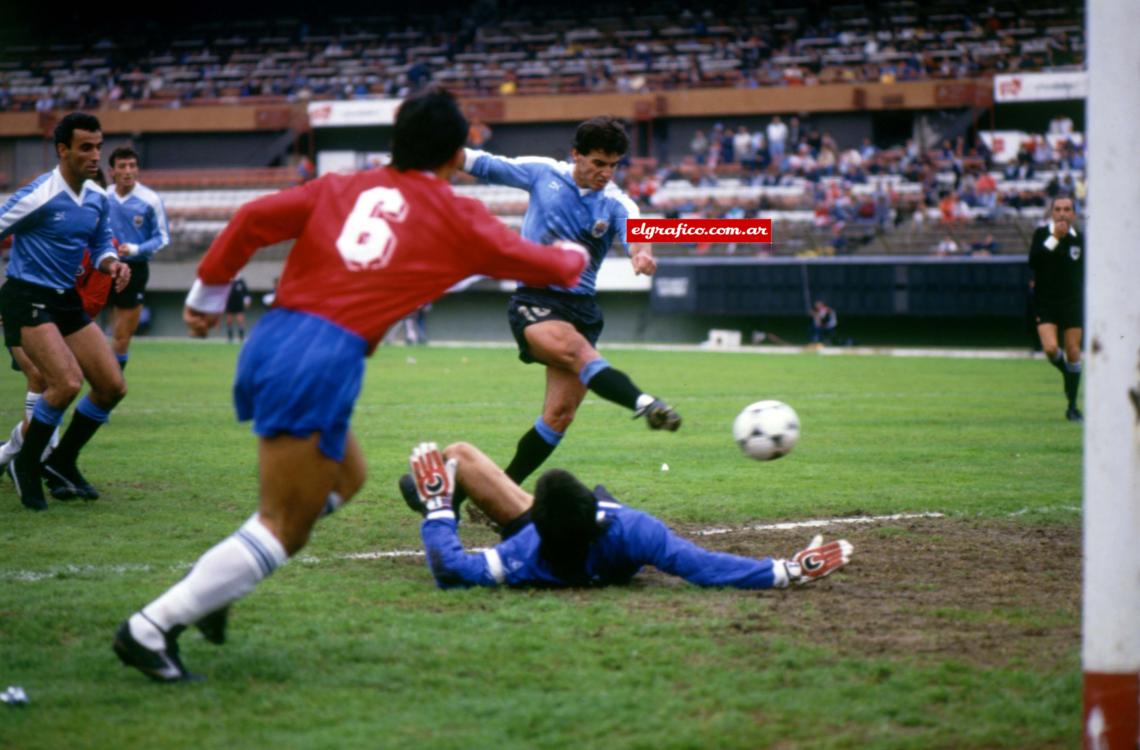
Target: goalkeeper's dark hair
[565, 515]
[429, 129]
[604, 133]
[66, 128]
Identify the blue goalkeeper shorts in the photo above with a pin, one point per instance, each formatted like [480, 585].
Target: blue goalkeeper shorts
[299, 374]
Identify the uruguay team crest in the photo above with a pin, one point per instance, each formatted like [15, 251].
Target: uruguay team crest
[600, 227]
[1075, 252]
[137, 221]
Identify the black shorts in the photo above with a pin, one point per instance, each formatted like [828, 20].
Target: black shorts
[529, 306]
[29, 305]
[235, 305]
[132, 294]
[1063, 315]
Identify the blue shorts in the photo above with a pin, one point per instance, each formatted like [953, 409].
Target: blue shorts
[299, 374]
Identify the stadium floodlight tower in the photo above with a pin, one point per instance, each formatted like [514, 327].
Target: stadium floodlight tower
[1110, 653]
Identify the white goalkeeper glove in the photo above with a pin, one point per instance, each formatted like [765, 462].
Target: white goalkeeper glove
[435, 479]
[817, 560]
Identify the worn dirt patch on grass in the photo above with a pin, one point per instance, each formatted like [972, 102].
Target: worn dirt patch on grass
[983, 592]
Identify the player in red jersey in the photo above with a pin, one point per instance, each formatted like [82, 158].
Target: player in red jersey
[370, 248]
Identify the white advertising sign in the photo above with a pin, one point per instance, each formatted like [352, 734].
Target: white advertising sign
[1041, 87]
[356, 112]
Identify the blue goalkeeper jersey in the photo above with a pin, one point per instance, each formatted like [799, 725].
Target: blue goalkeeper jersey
[52, 227]
[140, 219]
[559, 209]
[632, 539]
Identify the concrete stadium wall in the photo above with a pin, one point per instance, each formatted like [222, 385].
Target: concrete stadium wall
[480, 317]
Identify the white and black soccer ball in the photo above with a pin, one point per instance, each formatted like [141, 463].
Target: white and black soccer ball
[766, 430]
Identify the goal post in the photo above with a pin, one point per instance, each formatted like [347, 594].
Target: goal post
[1110, 653]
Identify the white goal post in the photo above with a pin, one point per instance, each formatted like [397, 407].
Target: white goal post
[1110, 653]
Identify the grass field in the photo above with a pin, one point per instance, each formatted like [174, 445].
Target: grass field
[954, 632]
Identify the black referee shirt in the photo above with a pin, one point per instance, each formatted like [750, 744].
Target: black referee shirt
[1058, 272]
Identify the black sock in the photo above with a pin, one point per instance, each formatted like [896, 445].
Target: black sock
[531, 452]
[35, 440]
[1072, 385]
[1058, 362]
[614, 385]
[78, 433]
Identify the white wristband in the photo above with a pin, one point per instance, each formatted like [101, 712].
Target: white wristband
[207, 298]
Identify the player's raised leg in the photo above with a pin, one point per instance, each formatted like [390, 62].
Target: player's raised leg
[488, 486]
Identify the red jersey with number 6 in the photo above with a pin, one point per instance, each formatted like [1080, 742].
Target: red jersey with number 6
[373, 246]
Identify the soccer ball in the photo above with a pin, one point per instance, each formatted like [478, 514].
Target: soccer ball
[766, 430]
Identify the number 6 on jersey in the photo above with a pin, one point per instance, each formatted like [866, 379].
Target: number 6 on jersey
[366, 241]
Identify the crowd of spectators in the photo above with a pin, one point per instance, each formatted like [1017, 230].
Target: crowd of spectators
[509, 50]
[795, 171]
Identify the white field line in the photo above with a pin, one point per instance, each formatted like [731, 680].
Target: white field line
[123, 568]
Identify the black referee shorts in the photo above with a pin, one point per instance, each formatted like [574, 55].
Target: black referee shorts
[1063, 314]
[529, 306]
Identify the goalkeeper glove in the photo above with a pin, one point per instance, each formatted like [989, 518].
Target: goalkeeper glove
[435, 479]
[818, 560]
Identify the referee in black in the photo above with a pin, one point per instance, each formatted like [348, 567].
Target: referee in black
[1057, 260]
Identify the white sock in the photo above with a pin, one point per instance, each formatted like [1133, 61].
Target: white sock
[643, 401]
[15, 440]
[227, 572]
[30, 400]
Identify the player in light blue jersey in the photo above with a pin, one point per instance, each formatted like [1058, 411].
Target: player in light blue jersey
[53, 220]
[138, 221]
[567, 535]
[559, 327]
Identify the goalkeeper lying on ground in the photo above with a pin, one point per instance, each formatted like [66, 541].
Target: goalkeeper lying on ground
[566, 535]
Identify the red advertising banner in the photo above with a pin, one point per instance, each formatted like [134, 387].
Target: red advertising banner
[699, 230]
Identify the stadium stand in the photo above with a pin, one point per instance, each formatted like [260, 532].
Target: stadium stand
[522, 49]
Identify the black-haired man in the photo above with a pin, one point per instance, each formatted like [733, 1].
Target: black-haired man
[138, 221]
[567, 535]
[54, 219]
[559, 326]
[1057, 259]
[370, 248]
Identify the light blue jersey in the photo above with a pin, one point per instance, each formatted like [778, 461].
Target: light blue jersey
[559, 209]
[631, 540]
[140, 219]
[52, 227]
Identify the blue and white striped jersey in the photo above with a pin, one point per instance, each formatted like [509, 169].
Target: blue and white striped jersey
[632, 539]
[52, 227]
[140, 219]
[559, 209]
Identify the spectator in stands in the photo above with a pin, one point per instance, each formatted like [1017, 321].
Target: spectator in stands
[777, 133]
[744, 148]
[952, 209]
[699, 147]
[948, 246]
[985, 246]
[824, 321]
[478, 134]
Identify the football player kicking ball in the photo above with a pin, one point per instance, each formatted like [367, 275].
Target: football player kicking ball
[567, 535]
[370, 248]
